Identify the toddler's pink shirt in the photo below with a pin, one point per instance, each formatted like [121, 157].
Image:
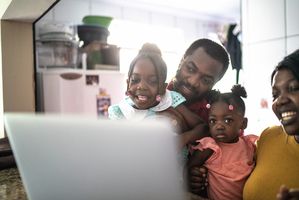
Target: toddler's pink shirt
[229, 166]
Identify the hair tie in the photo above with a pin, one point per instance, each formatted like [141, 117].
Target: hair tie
[208, 106]
[231, 107]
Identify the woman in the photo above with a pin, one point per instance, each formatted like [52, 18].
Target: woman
[278, 147]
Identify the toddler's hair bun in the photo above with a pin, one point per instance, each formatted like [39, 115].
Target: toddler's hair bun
[150, 48]
[213, 95]
[239, 90]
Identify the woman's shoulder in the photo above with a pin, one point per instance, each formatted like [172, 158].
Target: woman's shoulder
[272, 130]
[270, 134]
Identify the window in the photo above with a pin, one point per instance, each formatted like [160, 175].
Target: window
[130, 36]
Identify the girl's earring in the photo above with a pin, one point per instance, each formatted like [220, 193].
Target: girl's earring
[158, 98]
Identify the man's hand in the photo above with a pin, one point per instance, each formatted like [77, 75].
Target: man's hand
[198, 182]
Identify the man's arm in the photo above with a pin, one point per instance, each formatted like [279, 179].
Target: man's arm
[191, 118]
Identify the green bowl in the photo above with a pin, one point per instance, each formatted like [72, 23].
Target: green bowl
[97, 20]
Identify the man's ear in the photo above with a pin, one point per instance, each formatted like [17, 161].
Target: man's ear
[244, 123]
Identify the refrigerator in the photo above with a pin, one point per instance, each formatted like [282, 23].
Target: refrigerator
[78, 91]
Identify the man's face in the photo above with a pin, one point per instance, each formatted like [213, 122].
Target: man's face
[197, 74]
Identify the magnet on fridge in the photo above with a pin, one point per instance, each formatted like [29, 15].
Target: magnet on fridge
[92, 79]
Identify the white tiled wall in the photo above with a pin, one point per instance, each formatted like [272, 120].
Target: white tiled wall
[136, 15]
[270, 32]
[162, 19]
[191, 26]
[262, 58]
[265, 19]
[292, 17]
[292, 44]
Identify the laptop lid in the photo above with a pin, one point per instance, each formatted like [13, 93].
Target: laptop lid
[73, 157]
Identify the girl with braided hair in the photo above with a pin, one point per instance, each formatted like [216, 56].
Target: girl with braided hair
[227, 154]
[147, 95]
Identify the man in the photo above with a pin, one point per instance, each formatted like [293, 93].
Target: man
[202, 66]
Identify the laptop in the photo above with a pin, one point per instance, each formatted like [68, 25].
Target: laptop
[75, 157]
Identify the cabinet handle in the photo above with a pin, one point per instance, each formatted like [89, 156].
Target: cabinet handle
[70, 76]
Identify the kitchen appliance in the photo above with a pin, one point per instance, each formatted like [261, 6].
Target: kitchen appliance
[56, 46]
[57, 53]
[78, 91]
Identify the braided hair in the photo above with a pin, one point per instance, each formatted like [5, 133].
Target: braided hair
[231, 98]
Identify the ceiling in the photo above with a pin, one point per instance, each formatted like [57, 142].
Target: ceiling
[226, 10]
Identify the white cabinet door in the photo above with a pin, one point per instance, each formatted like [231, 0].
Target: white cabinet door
[63, 92]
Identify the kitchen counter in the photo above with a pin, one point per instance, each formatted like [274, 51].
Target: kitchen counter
[11, 186]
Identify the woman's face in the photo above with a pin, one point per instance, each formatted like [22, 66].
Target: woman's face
[143, 84]
[285, 92]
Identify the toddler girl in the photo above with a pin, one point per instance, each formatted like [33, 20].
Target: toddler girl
[228, 155]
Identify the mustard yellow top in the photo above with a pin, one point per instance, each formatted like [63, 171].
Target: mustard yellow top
[277, 164]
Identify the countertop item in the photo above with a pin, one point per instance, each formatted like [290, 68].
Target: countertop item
[57, 53]
[56, 31]
[97, 20]
[90, 33]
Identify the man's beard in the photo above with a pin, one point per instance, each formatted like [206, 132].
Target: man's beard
[178, 83]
